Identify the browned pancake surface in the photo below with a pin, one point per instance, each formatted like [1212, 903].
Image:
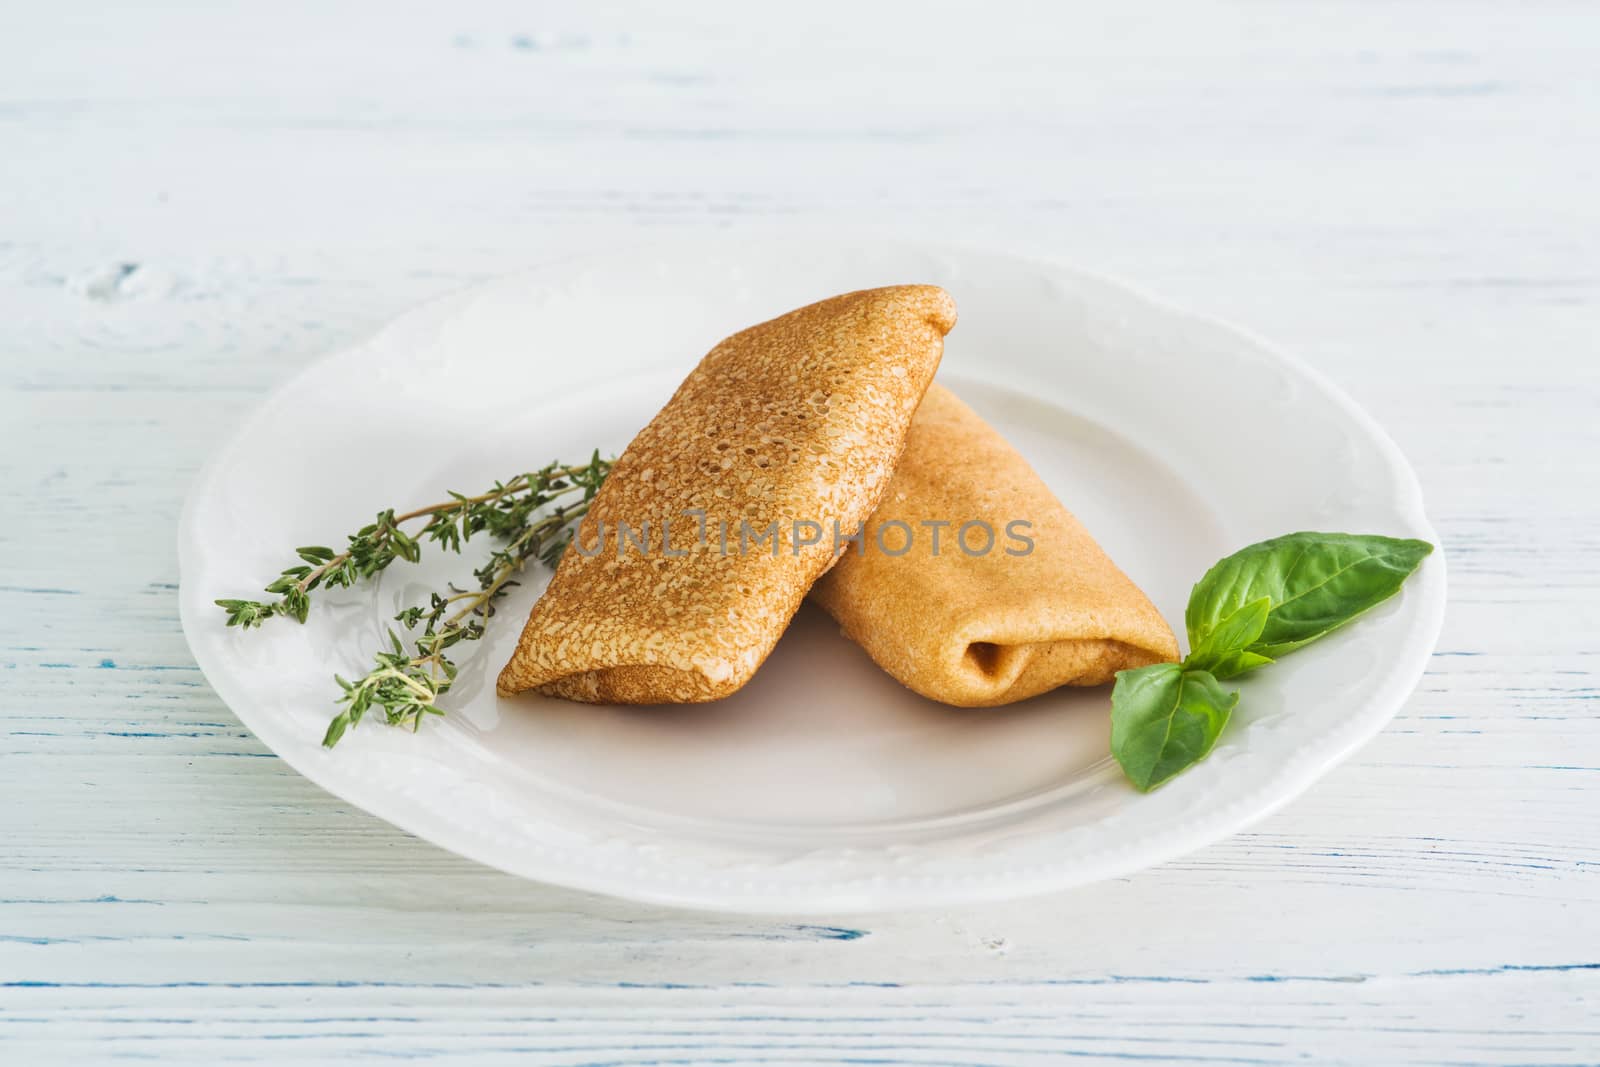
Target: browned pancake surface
[802, 417]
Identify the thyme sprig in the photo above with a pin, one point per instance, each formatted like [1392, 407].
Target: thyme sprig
[405, 684]
[502, 512]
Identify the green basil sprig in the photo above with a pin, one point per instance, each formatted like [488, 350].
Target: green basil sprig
[1253, 607]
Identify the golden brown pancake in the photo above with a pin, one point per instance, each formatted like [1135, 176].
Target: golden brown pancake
[799, 418]
[991, 628]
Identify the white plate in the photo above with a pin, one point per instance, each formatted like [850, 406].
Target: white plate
[823, 786]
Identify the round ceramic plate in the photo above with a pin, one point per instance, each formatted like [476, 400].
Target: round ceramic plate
[823, 785]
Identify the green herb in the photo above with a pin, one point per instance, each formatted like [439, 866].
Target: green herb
[1314, 582]
[1163, 718]
[1252, 608]
[405, 684]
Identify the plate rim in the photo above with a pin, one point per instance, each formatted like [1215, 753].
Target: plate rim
[1289, 780]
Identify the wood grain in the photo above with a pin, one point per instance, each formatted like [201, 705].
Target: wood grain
[200, 200]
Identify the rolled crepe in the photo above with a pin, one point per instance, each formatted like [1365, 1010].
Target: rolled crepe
[799, 419]
[990, 628]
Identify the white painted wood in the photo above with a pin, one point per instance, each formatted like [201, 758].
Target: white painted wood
[195, 201]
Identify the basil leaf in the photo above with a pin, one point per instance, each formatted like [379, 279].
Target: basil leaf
[1258, 604]
[1165, 718]
[1316, 582]
[1235, 663]
[1224, 650]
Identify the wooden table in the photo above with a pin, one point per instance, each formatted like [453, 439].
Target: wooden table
[195, 203]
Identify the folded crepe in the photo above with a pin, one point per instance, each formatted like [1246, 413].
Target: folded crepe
[799, 419]
[991, 627]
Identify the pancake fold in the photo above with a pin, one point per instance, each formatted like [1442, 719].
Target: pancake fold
[974, 628]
